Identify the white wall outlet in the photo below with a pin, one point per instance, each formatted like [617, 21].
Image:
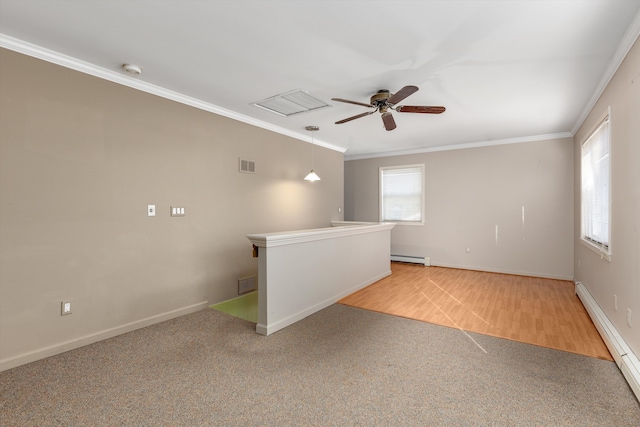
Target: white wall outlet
[629, 317]
[65, 308]
[151, 210]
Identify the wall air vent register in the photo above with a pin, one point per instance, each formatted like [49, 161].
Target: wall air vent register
[246, 166]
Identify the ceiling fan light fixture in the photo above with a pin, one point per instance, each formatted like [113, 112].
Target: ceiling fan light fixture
[293, 102]
[383, 101]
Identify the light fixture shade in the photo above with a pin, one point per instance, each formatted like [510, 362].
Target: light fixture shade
[312, 176]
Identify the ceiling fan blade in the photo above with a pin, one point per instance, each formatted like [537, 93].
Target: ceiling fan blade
[402, 94]
[351, 102]
[419, 109]
[387, 119]
[348, 119]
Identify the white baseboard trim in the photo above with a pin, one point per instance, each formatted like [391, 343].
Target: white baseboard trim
[270, 328]
[42, 353]
[622, 354]
[497, 270]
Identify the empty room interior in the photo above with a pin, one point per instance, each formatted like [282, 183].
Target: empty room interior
[160, 158]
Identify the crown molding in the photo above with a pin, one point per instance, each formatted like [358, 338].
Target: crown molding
[629, 38]
[11, 43]
[120, 78]
[462, 146]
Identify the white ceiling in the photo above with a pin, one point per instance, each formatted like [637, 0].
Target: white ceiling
[507, 71]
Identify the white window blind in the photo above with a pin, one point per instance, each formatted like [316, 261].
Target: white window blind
[401, 193]
[595, 188]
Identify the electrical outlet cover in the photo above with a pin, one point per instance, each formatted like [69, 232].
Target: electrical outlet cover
[65, 308]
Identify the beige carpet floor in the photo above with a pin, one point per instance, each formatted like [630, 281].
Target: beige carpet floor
[342, 366]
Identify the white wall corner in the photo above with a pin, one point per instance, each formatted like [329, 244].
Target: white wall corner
[621, 352]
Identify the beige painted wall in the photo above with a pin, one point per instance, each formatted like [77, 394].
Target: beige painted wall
[621, 276]
[471, 191]
[80, 159]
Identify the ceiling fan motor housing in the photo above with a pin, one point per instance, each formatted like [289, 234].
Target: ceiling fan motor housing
[380, 98]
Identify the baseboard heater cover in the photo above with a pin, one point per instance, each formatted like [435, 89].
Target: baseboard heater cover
[622, 354]
[426, 261]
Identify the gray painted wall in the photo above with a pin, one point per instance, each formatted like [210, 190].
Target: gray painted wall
[80, 159]
[620, 276]
[471, 191]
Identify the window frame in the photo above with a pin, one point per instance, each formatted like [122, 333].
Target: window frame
[601, 248]
[382, 169]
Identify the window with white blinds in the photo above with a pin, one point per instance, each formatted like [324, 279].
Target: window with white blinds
[595, 189]
[402, 194]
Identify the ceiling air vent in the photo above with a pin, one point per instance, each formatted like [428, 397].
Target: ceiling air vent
[286, 104]
[247, 166]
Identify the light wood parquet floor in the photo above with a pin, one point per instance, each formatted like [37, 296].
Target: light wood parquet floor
[543, 312]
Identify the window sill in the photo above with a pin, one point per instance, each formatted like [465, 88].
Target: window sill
[597, 249]
[405, 223]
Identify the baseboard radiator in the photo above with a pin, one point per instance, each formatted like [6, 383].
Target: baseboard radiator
[426, 261]
[622, 354]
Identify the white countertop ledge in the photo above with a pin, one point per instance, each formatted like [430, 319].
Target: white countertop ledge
[268, 240]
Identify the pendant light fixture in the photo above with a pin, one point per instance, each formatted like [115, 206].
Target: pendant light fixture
[312, 176]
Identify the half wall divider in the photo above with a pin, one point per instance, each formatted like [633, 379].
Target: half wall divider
[302, 272]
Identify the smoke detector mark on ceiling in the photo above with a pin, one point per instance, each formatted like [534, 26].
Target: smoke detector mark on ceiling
[132, 69]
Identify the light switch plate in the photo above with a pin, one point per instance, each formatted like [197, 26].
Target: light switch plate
[151, 210]
[177, 211]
